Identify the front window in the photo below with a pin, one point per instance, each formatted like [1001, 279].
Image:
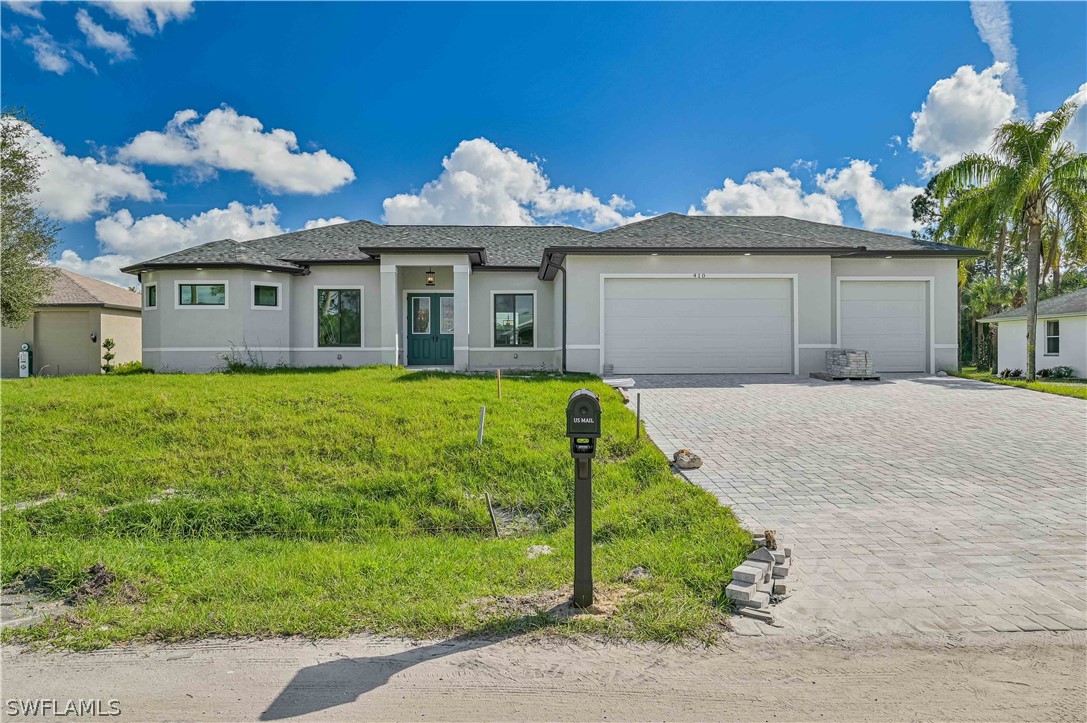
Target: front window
[513, 320]
[339, 317]
[202, 294]
[1053, 337]
[151, 296]
[265, 295]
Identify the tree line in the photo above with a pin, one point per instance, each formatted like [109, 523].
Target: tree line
[1025, 202]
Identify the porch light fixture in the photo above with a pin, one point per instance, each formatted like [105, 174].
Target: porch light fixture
[430, 277]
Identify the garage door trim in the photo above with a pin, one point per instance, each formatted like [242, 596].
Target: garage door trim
[699, 276]
[931, 283]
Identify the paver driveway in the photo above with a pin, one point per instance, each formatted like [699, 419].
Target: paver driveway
[917, 505]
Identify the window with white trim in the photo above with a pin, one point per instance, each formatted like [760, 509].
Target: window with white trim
[339, 317]
[201, 294]
[1053, 337]
[265, 295]
[514, 320]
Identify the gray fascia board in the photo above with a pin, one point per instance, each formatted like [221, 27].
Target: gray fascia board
[135, 269]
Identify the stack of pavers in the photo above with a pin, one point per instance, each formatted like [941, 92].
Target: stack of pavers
[760, 580]
[849, 363]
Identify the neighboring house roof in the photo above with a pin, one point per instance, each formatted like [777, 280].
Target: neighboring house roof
[72, 289]
[535, 246]
[1070, 304]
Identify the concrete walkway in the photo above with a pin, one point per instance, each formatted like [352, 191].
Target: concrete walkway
[917, 505]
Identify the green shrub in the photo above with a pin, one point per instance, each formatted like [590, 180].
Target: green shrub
[131, 367]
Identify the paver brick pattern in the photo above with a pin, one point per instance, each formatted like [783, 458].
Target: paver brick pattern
[917, 504]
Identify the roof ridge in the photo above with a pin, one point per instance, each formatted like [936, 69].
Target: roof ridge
[729, 219]
[71, 276]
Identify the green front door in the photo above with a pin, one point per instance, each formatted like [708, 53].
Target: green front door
[430, 329]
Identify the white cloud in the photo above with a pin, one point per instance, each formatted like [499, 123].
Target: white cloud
[768, 193]
[994, 24]
[113, 43]
[125, 240]
[72, 188]
[322, 222]
[225, 140]
[959, 116]
[158, 234]
[106, 268]
[880, 208]
[1076, 132]
[145, 17]
[30, 8]
[47, 53]
[481, 183]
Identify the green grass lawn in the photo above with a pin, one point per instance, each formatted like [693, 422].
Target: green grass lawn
[322, 503]
[1064, 387]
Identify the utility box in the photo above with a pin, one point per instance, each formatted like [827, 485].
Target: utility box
[26, 360]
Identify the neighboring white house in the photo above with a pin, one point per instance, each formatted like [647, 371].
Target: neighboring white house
[1062, 334]
[672, 294]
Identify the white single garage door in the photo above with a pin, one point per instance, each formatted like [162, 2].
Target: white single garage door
[694, 326]
[888, 319]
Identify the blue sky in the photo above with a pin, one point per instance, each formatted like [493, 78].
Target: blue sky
[655, 104]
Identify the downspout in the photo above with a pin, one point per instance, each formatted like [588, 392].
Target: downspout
[561, 268]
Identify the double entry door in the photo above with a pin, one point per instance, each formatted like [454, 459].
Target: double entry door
[430, 329]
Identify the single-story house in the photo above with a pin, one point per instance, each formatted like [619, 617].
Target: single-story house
[68, 326]
[671, 294]
[1061, 335]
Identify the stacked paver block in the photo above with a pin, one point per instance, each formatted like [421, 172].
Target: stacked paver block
[758, 577]
[849, 363]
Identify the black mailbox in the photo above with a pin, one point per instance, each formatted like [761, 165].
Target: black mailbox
[583, 423]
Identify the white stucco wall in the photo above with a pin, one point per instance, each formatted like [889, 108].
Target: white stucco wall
[1012, 344]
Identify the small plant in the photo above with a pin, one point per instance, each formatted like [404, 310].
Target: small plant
[131, 367]
[1017, 372]
[1062, 372]
[1005, 373]
[1044, 373]
[109, 356]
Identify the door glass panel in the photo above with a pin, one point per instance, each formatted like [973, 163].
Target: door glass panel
[445, 305]
[420, 315]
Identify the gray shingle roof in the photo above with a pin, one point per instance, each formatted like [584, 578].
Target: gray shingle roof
[673, 230]
[1074, 302]
[72, 289]
[524, 246]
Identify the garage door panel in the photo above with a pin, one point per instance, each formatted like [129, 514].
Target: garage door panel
[677, 326]
[889, 319]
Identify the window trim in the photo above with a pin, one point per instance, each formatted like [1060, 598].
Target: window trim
[535, 306]
[202, 282]
[253, 296]
[1048, 336]
[362, 316]
[147, 287]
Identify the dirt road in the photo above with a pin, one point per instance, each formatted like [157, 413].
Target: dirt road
[1023, 677]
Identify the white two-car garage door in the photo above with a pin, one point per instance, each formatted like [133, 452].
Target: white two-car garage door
[888, 319]
[698, 325]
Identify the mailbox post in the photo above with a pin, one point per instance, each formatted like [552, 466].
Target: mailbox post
[583, 429]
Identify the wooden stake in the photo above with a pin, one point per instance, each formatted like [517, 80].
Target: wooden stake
[482, 416]
[490, 510]
[499, 383]
[638, 432]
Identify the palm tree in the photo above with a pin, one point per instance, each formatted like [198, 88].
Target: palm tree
[1030, 176]
[985, 294]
